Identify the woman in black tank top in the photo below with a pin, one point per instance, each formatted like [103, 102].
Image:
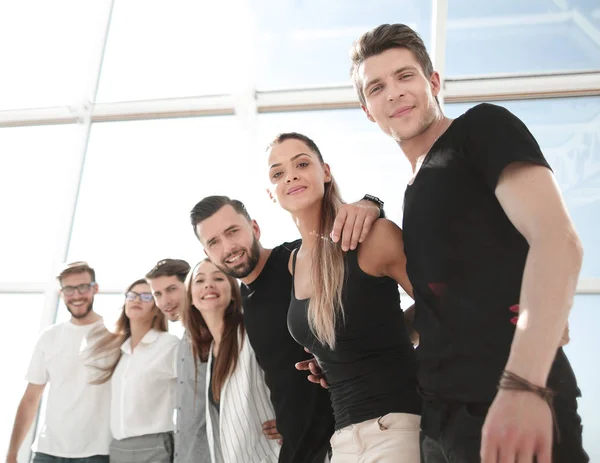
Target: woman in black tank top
[345, 308]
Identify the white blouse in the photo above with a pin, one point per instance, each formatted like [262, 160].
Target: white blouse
[244, 406]
[143, 386]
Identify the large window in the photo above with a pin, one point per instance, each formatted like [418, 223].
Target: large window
[50, 51]
[307, 43]
[38, 171]
[180, 49]
[515, 37]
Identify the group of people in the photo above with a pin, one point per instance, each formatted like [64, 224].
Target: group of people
[486, 250]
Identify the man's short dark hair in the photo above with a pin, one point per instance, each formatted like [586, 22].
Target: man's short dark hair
[211, 205]
[169, 268]
[73, 268]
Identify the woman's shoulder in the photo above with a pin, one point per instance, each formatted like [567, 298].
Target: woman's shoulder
[383, 245]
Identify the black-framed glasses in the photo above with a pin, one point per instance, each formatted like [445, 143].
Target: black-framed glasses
[144, 297]
[83, 288]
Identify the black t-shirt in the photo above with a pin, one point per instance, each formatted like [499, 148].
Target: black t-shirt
[465, 259]
[302, 409]
[373, 370]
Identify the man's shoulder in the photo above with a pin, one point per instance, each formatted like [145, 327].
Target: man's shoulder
[52, 331]
[287, 247]
[280, 255]
[485, 113]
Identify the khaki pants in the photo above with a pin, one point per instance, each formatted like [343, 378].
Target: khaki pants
[393, 438]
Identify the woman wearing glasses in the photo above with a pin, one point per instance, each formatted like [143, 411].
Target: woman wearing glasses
[140, 361]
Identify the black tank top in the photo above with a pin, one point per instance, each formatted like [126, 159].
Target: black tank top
[373, 369]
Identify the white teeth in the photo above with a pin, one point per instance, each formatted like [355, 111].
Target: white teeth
[210, 296]
[234, 258]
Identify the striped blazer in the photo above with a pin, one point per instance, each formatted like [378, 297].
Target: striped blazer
[243, 407]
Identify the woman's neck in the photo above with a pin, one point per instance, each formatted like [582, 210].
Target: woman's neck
[308, 222]
[138, 331]
[214, 322]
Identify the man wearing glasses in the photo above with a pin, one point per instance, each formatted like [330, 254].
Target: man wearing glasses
[76, 427]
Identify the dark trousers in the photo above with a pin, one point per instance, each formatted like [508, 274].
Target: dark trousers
[451, 432]
[45, 458]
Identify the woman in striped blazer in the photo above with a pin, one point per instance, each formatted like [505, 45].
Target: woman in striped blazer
[237, 398]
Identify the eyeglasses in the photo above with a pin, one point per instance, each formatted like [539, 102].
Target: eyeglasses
[144, 297]
[83, 288]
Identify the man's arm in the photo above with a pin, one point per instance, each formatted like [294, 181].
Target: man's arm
[409, 319]
[26, 412]
[353, 223]
[520, 423]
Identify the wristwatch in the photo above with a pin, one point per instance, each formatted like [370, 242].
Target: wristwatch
[379, 202]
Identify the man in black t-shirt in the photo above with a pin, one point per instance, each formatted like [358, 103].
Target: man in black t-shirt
[231, 240]
[485, 232]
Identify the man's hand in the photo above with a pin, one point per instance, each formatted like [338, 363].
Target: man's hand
[518, 427]
[353, 223]
[269, 429]
[316, 375]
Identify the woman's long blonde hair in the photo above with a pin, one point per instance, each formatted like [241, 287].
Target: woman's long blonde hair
[328, 268]
[105, 345]
[201, 338]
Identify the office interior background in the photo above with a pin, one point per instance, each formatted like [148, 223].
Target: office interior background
[117, 116]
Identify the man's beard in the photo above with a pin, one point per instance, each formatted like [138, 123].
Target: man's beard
[244, 269]
[84, 314]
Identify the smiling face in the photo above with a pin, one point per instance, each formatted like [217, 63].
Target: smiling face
[78, 291]
[139, 303]
[210, 289]
[169, 294]
[231, 241]
[297, 174]
[398, 95]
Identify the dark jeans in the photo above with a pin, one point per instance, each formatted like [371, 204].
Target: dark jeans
[451, 432]
[44, 458]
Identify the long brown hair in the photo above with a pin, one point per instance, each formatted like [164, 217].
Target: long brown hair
[328, 267]
[105, 345]
[201, 338]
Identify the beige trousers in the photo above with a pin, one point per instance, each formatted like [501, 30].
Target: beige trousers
[393, 438]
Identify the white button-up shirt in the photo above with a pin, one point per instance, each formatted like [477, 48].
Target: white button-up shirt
[143, 387]
[244, 406]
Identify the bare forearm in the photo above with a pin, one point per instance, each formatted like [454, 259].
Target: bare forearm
[25, 416]
[409, 318]
[549, 283]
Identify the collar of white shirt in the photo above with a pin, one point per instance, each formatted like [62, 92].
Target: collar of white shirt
[150, 337]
